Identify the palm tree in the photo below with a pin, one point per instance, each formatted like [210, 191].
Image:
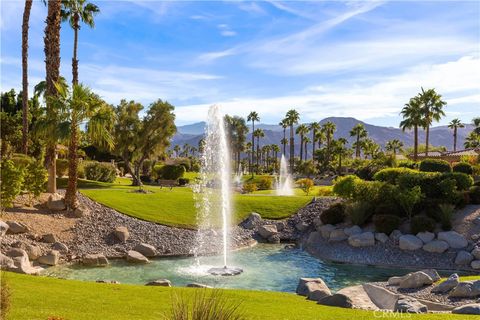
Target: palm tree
[26, 19]
[52, 67]
[473, 138]
[253, 116]
[275, 150]
[412, 118]
[476, 124]
[306, 141]
[176, 148]
[359, 132]
[302, 131]
[329, 129]
[83, 106]
[338, 147]
[248, 150]
[258, 133]
[394, 146]
[432, 109]
[455, 124]
[76, 11]
[284, 141]
[370, 148]
[314, 127]
[292, 117]
[320, 137]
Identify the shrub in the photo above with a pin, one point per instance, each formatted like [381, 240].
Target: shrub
[446, 212]
[11, 184]
[359, 212]
[368, 171]
[170, 171]
[422, 224]
[345, 186]
[306, 185]
[408, 198]
[325, 191]
[386, 223]
[21, 160]
[430, 207]
[81, 170]
[391, 175]
[408, 164]
[435, 165]
[388, 208]
[368, 191]
[185, 162]
[265, 183]
[34, 181]
[249, 187]
[427, 181]
[183, 181]
[100, 171]
[463, 167]
[475, 195]
[463, 181]
[333, 215]
[62, 167]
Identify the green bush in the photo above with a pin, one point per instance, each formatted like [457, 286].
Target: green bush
[345, 186]
[21, 160]
[368, 191]
[265, 183]
[446, 212]
[427, 181]
[388, 208]
[359, 212]
[386, 223]
[408, 198]
[81, 170]
[430, 207]
[62, 167]
[34, 181]
[463, 167]
[333, 215]
[463, 181]
[169, 171]
[185, 162]
[422, 224]
[100, 171]
[306, 185]
[183, 181]
[435, 165]
[11, 184]
[391, 175]
[368, 171]
[408, 164]
[475, 195]
[249, 187]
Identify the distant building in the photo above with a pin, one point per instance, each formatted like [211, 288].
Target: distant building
[450, 156]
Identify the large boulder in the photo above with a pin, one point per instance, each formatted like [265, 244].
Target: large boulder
[6, 262]
[395, 235]
[352, 230]
[146, 249]
[395, 281]
[472, 308]
[314, 284]
[463, 258]
[136, 257]
[454, 239]
[16, 227]
[268, 230]
[325, 230]
[436, 246]
[337, 300]
[51, 258]
[466, 289]
[337, 235]
[252, 221]
[21, 263]
[3, 228]
[49, 238]
[447, 285]
[476, 253]
[317, 290]
[17, 252]
[95, 260]
[364, 239]
[426, 236]
[160, 283]
[415, 280]
[475, 264]
[409, 305]
[121, 233]
[432, 273]
[197, 285]
[409, 242]
[59, 246]
[381, 237]
[56, 202]
[33, 251]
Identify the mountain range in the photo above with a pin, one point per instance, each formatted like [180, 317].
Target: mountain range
[439, 136]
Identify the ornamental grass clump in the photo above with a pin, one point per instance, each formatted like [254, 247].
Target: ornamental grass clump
[359, 212]
[446, 212]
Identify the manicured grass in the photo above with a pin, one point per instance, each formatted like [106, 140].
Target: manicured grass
[38, 298]
[89, 184]
[316, 191]
[176, 207]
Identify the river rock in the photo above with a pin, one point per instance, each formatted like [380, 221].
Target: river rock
[160, 283]
[472, 308]
[364, 239]
[466, 289]
[301, 226]
[59, 246]
[3, 228]
[325, 230]
[121, 233]
[395, 281]
[475, 264]
[337, 235]
[136, 257]
[51, 258]
[463, 258]
[253, 220]
[426, 236]
[314, 284]
[56, 202]
[381, 237]
[476, 253]
[33, 251]
[352, 230]
[432, 273]
[268, 230]
[436, 246]
[313, 238]
[49, 238]
[6, 262]
[409, 305]
[337, 300]
[95, 260]
[454, 239]
[274, 238]
[409, 242]
[447, 285]
[415, 280]
[197, 285]
[16, 227]
[146, 249]
[395, 235]
[80, 212]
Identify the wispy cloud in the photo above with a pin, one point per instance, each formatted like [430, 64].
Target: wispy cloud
[226, 31]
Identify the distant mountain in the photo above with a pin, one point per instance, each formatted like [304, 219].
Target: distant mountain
[439, 136]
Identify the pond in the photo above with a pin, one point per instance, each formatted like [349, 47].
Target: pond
[266, 267]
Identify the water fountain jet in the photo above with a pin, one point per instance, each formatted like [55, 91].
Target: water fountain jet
[284, 180]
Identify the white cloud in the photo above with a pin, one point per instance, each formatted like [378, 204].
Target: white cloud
[226, 31]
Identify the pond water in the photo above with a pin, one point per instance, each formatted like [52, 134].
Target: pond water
[266, 267]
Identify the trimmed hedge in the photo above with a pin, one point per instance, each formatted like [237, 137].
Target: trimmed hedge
[462, 180]
[386, 223]
[435, 165]
[422, 224]
[463, 167]
[333, 215]
[100, 171]
[391, 175]
[169, 171]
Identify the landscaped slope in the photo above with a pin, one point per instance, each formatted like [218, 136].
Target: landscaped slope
[39, 298]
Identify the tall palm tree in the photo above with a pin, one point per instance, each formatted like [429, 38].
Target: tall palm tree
[329, 129]
[52, 68]
[394, 146]
[284, 141]
[26, 19]
[253, 116]
[370, 148]
[76, 11]
[306, 141]
[176, 148]
[320, 137]
[258, 133]
[455, 124]
[413, 119]
[314, 128]
[476, 124]
[359, 132]
[302, 131]
[432, 109]
[292, 117]
[248, 150]
[275, 150]
[338, 148]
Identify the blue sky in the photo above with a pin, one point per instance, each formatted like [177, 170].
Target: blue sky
[325, 58]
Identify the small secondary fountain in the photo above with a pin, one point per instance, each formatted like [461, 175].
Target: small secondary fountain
[213, 193]
[284, 180]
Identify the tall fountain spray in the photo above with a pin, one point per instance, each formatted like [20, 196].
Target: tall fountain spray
[213, 193]
[284, 180]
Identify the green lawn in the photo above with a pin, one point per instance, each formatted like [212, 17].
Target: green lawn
[316, 191]
[38, 298]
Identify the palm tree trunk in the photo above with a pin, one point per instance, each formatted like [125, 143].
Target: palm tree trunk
[71, 193]
[75, 46]
[253, 148]
[258, 152]
[292, 149]
[301, 148]
[26, 18]
[357, 147]
[52, 68]
[415, 143]
[454, 139]
[314, 133]
[284, 144]
[427, 136]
